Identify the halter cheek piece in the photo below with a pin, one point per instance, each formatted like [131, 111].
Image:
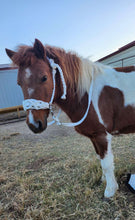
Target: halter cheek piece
[30, 104]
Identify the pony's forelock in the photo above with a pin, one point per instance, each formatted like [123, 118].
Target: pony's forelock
[23, 56]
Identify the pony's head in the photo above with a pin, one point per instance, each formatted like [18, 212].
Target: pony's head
[35, 79]
[36, 67]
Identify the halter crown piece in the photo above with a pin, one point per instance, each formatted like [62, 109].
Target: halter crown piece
[30, 104]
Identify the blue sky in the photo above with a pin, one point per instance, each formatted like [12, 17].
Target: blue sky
[92, 28]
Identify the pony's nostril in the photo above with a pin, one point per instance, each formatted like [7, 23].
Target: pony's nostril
[40, 125]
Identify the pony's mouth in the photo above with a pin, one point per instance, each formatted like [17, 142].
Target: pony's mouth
[38, 126]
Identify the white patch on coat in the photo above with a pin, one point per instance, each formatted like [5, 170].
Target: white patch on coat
[28, 73]
[31, 120]
[107, 165]
[125, 82]
[30, 91]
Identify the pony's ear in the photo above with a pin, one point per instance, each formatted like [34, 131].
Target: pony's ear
[10, 53]
[39, 49]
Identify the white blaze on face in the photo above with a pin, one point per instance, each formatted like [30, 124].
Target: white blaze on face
[30, 91]
[28, 73]
[32, 121]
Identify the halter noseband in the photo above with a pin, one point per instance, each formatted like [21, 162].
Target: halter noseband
[29, 104]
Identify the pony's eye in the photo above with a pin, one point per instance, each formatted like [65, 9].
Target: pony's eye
[44, 78]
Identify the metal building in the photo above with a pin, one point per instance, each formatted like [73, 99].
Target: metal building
[10, 93]
[124, 56]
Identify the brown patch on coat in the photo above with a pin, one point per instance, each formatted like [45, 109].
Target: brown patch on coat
[117, 118]
[126, 69]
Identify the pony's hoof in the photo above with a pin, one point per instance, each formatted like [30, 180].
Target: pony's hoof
[110, 191]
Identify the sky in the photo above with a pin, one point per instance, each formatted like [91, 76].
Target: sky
[92, 28]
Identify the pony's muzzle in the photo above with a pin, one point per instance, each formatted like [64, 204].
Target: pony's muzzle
[36, 124]
[39, 126]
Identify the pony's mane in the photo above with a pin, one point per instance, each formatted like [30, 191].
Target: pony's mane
[77, 70]
[88, 68]
[69, 63]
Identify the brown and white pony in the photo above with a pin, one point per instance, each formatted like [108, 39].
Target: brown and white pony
[112, 108]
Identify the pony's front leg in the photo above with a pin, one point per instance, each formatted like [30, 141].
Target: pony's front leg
[102, 145]
[107, 164]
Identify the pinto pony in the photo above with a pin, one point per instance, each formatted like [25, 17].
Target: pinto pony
[112, 104]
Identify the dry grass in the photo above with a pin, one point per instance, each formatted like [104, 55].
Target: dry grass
[59, 178]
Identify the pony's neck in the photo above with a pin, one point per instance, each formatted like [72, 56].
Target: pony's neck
[73, 106]
[78, 73]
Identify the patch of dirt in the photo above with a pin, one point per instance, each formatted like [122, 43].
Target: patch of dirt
[11, 135]
[20, 127]
[37, 164]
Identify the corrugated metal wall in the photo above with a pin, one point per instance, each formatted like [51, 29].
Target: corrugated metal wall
[124, 58]
[10, 93]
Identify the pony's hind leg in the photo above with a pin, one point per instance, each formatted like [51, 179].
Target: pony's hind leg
[102, 144]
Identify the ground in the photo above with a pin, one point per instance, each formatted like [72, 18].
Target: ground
[56, 175]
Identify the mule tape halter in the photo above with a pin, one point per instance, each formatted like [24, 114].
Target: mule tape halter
[30, 104]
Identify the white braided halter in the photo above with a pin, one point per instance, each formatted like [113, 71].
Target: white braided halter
[29, 104]
[35, 104]
[38, 104]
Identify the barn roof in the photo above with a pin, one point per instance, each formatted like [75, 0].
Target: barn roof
[121, 49]
[6, 67]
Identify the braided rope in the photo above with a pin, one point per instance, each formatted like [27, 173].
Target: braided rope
[54, 67]
[35, 104]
